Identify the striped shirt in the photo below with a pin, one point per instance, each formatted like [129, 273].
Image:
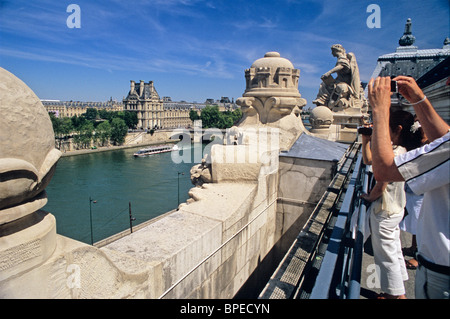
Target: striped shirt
[426, 170]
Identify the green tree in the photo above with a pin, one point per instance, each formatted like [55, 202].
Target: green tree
[193, 115]
[77, 122]
[62, 127]
[86, 133]
[105, 115]
[66, 126]
[91, 114]
[118, 131]
[130, 118]
[210, 117]
[103, 132]
[236, 115]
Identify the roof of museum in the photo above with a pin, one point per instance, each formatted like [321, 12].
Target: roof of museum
[412, 52]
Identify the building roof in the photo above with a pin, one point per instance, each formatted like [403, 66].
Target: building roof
[315, 148]
[413, 52]
[408, 59]
[439, 72]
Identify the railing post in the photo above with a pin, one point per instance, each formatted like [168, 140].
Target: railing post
[131, 217]
[354, 286]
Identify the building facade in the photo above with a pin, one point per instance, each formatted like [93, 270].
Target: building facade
[72, 108]
[154, 112]
[145, 101]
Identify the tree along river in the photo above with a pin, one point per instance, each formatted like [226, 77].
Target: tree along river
[102, 184]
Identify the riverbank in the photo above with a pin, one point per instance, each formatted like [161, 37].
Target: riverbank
[114, 148]
[101, 186]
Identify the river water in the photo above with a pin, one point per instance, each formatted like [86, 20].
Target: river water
[102, 184]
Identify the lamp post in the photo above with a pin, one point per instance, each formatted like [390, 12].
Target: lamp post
[131, 217]
[90, 215]
[179, 173]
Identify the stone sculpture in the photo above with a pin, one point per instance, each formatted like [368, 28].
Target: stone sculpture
[344, 91]
[27, 162]
[321, 118]
[271, 98]
[201, 173]
[407, 38]
[27, 149]
[271, 89]
[271, 107]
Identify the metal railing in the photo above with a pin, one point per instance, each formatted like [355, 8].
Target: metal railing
[340, 272]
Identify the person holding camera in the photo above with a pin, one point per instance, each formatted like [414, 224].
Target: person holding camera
[386, 210]
[426, 170]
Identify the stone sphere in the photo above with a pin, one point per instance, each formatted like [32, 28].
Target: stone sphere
[321, 117]
[27, 144]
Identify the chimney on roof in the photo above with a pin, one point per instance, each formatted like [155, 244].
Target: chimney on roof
[141, 88]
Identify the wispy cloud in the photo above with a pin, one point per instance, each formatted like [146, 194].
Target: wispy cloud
[216, 40]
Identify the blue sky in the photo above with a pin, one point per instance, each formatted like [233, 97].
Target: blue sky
[199, 49]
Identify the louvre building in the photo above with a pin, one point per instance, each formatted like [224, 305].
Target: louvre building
[154, 112]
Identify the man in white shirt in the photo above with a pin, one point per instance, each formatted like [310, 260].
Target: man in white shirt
[426, 171]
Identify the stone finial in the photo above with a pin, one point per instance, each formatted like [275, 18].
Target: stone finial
[271, 89]
[272, 75]
[407, 38]
[447, 42]
[321, 118]
[27, 149]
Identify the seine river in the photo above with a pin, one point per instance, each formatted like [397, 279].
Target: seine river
[111, 180]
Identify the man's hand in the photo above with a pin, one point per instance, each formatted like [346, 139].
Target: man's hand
[408, 87]
[379, 94]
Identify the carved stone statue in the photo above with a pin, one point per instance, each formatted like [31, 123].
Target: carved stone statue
[345, 90]
[201, 173]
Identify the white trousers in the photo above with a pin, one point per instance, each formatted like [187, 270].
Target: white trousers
[387, 252]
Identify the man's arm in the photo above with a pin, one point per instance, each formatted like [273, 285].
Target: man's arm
[384, 168]
[433, 125]
[376, 192]
[366, 152]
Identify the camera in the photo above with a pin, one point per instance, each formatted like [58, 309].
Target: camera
[365, 130]
[394, 87]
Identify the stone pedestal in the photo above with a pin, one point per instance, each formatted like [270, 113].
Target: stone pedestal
[26, 243]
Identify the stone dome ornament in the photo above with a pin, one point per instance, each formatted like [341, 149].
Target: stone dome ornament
[27, 149]
[407, 38]
[271, 89]
[272, 75]
[272, 99]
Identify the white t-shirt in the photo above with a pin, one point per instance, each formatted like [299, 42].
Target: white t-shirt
[393, 199]
[426, 170]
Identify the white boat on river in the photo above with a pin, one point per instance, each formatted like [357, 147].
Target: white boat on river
[155, 150]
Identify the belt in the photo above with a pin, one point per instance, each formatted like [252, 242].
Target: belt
[445, 270]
